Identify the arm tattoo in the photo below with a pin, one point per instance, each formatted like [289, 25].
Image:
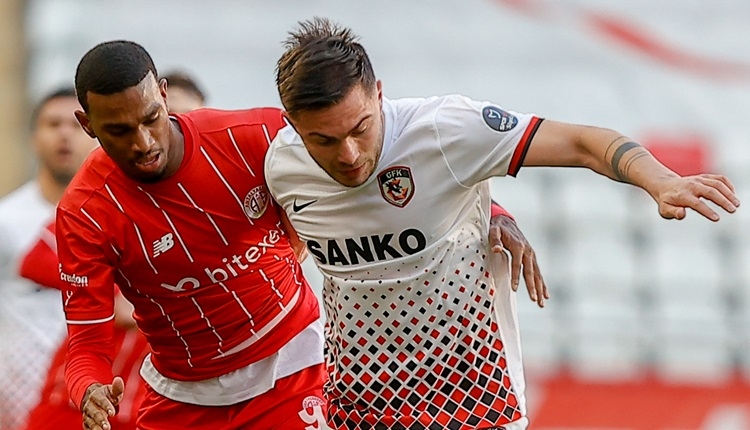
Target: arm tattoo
[611, 144]
[622, 172]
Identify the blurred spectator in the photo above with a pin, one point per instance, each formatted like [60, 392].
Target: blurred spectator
[55, 411]
[31, 318]
[183, 92]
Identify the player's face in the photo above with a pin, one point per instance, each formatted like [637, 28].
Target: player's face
[134, 129]
[59, 142]
[181, 101]
[345, 139]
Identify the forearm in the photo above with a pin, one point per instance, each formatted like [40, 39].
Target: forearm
[622, 159]
[89, 358]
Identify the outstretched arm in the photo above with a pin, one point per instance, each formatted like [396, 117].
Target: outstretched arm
[622, 159]
[505, 235]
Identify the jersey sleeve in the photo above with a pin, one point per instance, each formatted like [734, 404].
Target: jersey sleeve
[87, 279]
[480, 140]
[91, 350]
[86, 274]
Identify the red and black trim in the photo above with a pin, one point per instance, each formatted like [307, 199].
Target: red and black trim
[523, 146]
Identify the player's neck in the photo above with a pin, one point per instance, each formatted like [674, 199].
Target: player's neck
[177, 145]
[52, 188]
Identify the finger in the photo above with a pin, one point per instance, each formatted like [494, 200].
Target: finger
[101, 403]
[116, 390]
[542, 291]
[672, 212]
[96, 420]
[718, 196]
[701, 207]
[90, 424]
[540, 279]
[535, 281]
[496, 242]
[516, 257]
[528, 276]
[725, 188]
[539, 289]
[722, 179]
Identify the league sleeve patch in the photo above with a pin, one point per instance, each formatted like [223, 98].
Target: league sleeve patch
[498, 119]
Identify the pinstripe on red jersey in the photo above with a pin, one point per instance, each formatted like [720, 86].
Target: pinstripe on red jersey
[202, 255]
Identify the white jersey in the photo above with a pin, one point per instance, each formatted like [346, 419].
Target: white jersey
[422, 328]
[32, 324]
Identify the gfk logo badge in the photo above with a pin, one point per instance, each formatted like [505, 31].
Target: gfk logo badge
[164, 244]
[397, 185]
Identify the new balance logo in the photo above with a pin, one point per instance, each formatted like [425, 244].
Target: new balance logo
[298, 208]
[164, 244]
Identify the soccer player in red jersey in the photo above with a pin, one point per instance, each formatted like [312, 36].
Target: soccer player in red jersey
[175, 210]
[55, 411]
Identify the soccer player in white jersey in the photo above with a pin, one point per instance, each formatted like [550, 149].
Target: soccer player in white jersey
[31, 318]
[392, 199]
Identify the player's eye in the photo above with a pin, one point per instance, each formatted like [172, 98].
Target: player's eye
[118, 131]
[324, 142]
[152, 119]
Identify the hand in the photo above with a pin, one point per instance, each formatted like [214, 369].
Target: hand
[505, 234]
[100, 402]
[678, 193]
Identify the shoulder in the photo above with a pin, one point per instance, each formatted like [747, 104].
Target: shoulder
[456, 115]
[207, 119]
[426, 112]
[18, 198]
[92, 177]
[286, 153]
[20, 209]
[287, 138]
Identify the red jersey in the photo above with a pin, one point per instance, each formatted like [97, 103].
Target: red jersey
[201, 255]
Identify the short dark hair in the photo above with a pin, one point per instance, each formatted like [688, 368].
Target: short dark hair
[111, 67]
[322, 62]
[183, 80]
[59, 93]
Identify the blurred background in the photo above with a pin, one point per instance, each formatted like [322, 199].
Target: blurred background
[649, 321]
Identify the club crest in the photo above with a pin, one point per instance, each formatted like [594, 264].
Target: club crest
[256, 202]
[396, 185]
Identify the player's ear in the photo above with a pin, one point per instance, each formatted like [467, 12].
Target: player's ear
[83, 119]
[288, 119]
[163, 88]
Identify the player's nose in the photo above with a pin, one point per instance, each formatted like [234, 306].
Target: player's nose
[143, 141]
[348, 152]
